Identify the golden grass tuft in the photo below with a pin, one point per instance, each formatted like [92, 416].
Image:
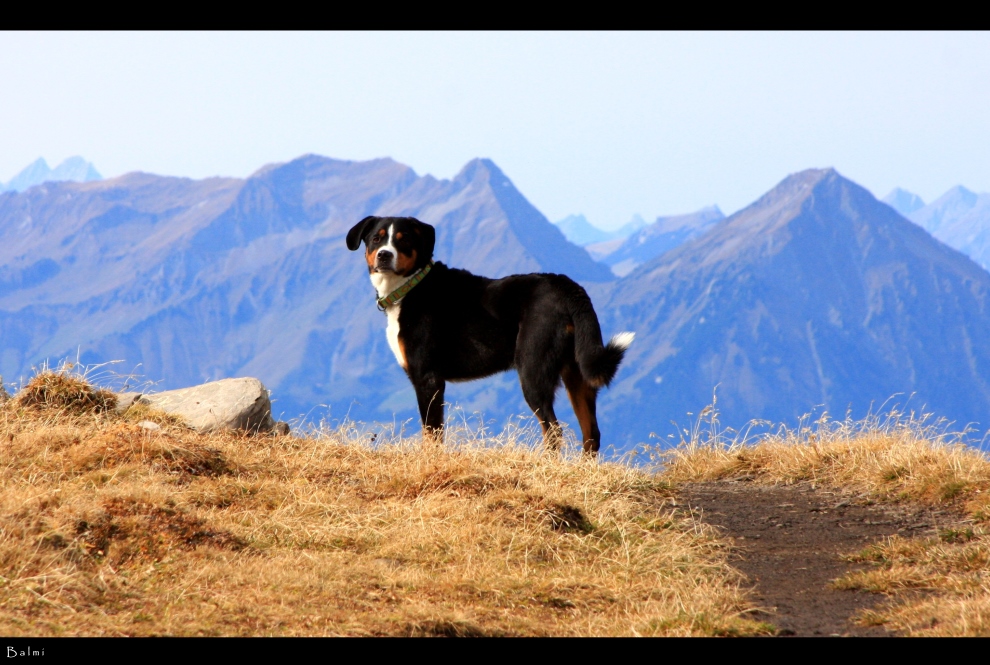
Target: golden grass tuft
[109, 528]
[62, 391]
[897, 459]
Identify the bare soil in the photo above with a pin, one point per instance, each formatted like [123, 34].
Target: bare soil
[790, 540]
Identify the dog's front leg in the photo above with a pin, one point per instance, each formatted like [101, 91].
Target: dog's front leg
[429, 395]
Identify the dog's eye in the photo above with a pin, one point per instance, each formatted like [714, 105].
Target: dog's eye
[376, 239]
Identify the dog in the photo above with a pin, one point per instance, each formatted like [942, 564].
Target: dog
[446, 324]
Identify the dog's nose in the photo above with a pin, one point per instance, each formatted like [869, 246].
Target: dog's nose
[383, 258]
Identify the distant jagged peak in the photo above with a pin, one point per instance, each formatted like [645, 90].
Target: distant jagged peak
[955, 196]
[793, 188]
[576, 218]
[951, 207]
[312, 162]
[74, 169]
[807, 179]
[635, 223]
[580, 231]
[903, 201]
[482, 170]
[32, 174]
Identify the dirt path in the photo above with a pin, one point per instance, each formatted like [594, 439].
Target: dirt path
[789, 543]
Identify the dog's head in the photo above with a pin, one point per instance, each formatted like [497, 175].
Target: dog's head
[398, 245]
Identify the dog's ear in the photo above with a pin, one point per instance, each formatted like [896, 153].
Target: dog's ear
[355, 235]
[429, 236]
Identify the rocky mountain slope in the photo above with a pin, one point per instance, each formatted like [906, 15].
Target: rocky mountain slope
[816, 294]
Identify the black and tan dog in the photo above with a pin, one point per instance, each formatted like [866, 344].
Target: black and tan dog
[446, 324]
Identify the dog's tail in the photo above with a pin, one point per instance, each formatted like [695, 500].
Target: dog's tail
[598, 362]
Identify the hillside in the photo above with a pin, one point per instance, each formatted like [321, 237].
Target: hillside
[114, 529]
[131, 525]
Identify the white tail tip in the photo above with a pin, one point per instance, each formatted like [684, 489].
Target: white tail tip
[622, 340]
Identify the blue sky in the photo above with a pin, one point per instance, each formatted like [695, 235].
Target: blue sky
[606, 124]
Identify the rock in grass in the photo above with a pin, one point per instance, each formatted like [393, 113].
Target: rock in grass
[225, 404]
[126, 401]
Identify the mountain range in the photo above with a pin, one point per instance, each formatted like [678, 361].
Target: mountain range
[816, 296]
[189, 281]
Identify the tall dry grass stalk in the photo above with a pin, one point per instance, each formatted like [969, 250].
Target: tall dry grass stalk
[110, 528]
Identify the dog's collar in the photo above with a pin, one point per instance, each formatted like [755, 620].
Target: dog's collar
[406, 287]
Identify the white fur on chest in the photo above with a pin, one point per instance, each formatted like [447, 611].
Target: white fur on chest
[386, 283]
[392, 334]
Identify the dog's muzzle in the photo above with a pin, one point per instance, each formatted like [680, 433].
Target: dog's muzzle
[385, 260]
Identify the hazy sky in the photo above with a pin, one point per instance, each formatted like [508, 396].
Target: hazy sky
[607, 124]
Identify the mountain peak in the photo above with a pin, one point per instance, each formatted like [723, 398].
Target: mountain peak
[903, 201]
[808, 178]
[957, 194]
[796, 186]
[75, 169]
[580, 231]
[482, 169]
[952, 205]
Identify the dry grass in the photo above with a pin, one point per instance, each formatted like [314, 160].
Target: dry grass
[938, 585]
[107, 528]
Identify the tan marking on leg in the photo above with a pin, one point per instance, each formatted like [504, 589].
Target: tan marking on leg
[581, 395]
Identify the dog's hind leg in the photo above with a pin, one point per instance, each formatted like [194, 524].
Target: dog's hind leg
[429, 396]
[584, 398]
[539, 393]
[540, 351]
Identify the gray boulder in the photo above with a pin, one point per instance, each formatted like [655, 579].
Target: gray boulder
[126, 401]
[225, 404]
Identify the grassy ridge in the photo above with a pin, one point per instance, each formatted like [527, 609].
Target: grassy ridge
[112, 528]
